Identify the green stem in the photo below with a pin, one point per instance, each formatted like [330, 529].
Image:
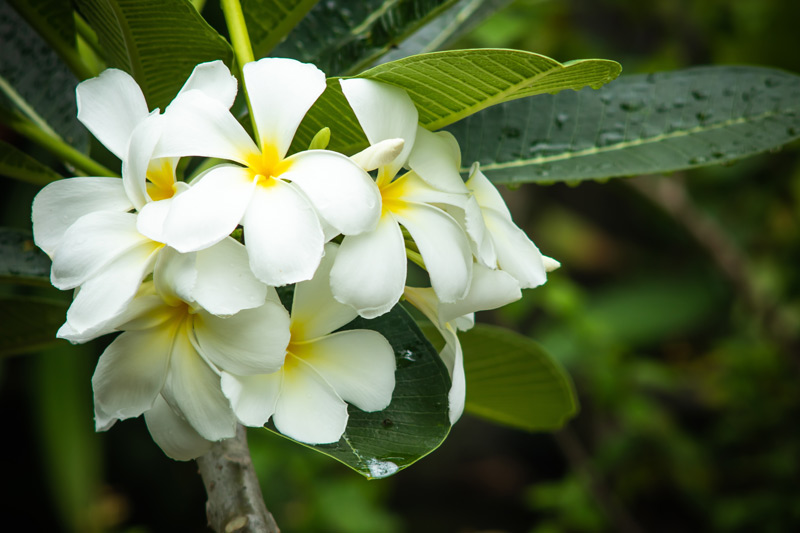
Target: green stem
[242, 49]
[54, 145]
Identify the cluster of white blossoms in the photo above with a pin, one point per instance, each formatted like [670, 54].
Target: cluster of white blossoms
[205, 341]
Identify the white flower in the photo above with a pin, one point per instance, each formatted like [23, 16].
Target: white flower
[171, 346]
[489, 289]
[497, 241]
[85, 224]
[284, 203]
[307, 398]
[370, 270]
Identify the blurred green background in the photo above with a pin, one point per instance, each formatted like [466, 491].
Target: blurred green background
[676, 311]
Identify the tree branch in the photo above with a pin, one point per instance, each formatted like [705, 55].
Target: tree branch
[235, 503]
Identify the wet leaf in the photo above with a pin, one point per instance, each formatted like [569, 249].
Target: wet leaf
[18, 165]
[20, 260]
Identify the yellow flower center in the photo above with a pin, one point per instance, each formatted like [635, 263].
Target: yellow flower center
[161, 180]
[268, 164]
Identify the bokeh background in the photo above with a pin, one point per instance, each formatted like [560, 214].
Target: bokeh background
[676, 312]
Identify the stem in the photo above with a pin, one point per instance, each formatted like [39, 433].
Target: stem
[240, 39]
[234, 502]
[55, 145]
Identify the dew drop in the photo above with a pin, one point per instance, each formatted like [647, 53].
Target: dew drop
[408, 355]
[387, 423]
[381, 469]
[771, 82]
[699, 160]
[700, 95]
[561, 119]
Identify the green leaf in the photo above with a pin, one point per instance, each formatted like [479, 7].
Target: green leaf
[512, 380]
[343, 37]
[158, 42]
[269, 21]
[28, 324]
[641, 124]
[35, 83]
[18, 165]
[416, 422]
[448, 86]
[20, 260]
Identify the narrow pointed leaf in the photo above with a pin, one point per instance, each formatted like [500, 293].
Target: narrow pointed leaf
[158, 42]
[16, 164]
[513, 381]
[642, 124]
[269, 21]
[448, 86]
[343, 37]
[45, 95]
[20, 260]
[382, 443]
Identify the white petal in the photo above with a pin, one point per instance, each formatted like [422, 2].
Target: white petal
[453, 358]
[443, 246]
[225, 284]
[489, 289]
[308, 409]
[102, 299]
[315, 312]
[411, 188]
[63, 202]
[193, 389]
[151, 218]
[131, 372]
[90, 244]
[282, 234]
[195, 124]
[436, 157]
[473, 223]
[175, 276]
[343, 194]
[110, 106]
[252, 341]
[176, 438]
[384, 112]
[378, 155]
[358, 364]
[281, 91]
[214, 80]
[140, 151]
[550, 264]
[370, 269]
[516, 253]
[485, 192]
[210, 210]
[253, 397]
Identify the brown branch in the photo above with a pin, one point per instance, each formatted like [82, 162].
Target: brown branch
[235, 503]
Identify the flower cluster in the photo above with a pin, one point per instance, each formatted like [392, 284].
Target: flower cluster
[204, 340]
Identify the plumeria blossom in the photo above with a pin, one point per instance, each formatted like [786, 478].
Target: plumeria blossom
[164, 364]
[498, 242]
[285, 204]
[370, 269]
[489, 289]
[86, 225]
[307, 398]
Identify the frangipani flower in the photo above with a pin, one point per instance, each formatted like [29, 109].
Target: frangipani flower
[489, 289]
[85, 224]
[284, 203]
[497, 241]
[307, 398]
[171, 346]
[370, 270]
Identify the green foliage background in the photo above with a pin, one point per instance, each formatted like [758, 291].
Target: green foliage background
[677, 313]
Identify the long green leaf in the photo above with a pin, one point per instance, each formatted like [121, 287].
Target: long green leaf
[641, 124]
[35, 83]
[158, 42]
[18, 165]
[513, 381]
[416, 422]
[269, 21]
[28, 324]
[20, 260]
[343, 37]
[448, 86]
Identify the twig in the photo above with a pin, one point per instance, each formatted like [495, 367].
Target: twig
[235, 503]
